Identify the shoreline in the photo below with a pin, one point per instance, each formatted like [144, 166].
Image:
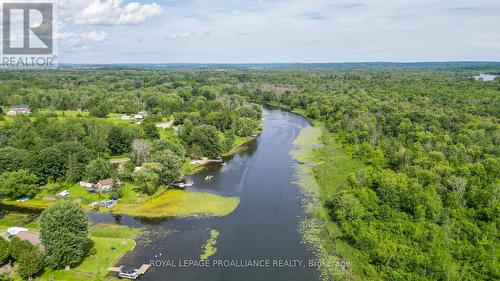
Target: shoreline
[317, 230]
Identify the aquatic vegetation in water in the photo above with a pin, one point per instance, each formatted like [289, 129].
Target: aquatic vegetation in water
[313, 229]
[180, 203]
[209, 248]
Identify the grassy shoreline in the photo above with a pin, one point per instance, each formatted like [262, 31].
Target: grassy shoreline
[323, 166]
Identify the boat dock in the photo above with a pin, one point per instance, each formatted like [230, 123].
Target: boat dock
[140, 271]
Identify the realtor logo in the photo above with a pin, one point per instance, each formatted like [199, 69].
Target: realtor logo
[28, 34]
[43, 30]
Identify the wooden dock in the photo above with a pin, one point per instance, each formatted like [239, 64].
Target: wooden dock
[115, 269]
[141, 270]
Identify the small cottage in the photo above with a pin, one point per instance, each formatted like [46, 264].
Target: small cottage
[19, 109]
[104, 185]
[86, 184]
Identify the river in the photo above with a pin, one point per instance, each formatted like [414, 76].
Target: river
[262, 231]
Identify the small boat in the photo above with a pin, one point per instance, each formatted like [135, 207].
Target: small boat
[63, 193]
[207, 178]
[128, 272]
[183, 184]
[109, 203]
[94, 204]
[24, 199]
[187, 184]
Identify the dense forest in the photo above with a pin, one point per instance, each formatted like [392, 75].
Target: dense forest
[425, 206]
[70, 133]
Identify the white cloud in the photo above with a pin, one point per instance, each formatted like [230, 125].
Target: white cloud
[71, 39]
[95, 36]
[182, 35]
[115, 12]
[290, 30]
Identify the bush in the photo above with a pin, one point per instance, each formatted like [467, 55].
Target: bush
[99, 111]
[30, 263]
[18, 246]
[4, 250]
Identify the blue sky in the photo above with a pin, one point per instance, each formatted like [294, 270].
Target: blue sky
[216, 31]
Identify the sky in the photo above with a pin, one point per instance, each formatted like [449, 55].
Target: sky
[277, 31]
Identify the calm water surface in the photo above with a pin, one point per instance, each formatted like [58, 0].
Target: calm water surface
[264, 226]
[485, 77]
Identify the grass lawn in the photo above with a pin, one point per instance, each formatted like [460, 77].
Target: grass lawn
[167, 133]
[34, 203]
[179, 203]
[132, 195]
[111, 242]
[11, 219]
[114, 231]
[238, 145]
[189, 169]
[94, 267]
[77, 194]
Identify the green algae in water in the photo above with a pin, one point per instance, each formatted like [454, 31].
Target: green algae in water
[209, 248]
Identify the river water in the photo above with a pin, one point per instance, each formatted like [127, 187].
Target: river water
[262, 231]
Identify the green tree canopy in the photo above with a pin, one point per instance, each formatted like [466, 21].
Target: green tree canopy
[4, 250]
[18, 184]
[64, 234]
[208, 139]
[170, 166]
[98, 169]
[163, 144]
[30, 263]
[18, 246]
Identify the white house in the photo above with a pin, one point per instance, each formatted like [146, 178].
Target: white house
[86, 184]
